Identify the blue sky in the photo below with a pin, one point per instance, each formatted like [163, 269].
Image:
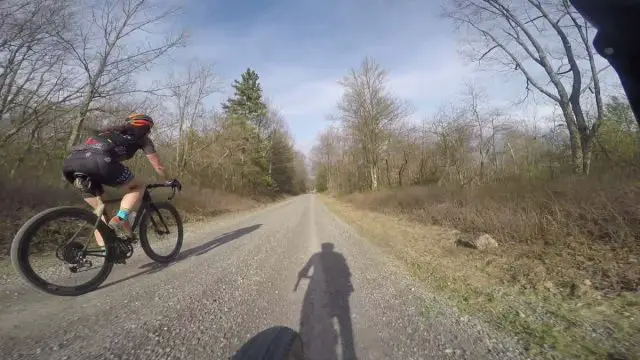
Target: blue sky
[302, 48]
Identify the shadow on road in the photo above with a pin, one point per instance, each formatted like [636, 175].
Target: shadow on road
[326, 299]
[210, 245]
[153, 267]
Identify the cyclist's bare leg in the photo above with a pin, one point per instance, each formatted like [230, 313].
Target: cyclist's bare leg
[94, 202]
[120, 223]
[131, 199]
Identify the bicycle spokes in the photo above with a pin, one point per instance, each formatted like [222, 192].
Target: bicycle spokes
[161, 232]
[59, 248]
[155, 225]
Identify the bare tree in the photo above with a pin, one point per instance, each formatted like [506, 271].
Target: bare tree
[527, 34]
[368, 112]
[487, 126]
[33, 79]
[189, 89]
[108, 49]
[453, 144]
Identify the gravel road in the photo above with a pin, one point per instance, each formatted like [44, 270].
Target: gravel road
[236, 278]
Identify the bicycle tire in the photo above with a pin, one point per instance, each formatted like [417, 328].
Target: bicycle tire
[144, 224]
[275, 343]
[20, 251]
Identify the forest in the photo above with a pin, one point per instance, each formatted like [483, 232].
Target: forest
[556, 192]
[69, 67]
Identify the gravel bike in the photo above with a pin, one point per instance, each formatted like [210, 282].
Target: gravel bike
[74, 251]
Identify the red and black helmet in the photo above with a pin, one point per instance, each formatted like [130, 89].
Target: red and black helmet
[140, 120]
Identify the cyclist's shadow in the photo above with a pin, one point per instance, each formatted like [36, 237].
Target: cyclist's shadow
[326, 298]
[152, 267]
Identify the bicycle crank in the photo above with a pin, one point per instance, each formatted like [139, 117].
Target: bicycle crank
[124, 250]
[82, 264]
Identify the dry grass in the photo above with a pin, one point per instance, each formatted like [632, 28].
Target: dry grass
[199, 204]
[21, 200]
[553, 239]
[574, 230]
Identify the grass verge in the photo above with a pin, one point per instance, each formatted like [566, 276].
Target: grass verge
[516, 292]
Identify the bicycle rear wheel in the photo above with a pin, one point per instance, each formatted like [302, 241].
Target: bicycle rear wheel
[71, 251]
[163, 220]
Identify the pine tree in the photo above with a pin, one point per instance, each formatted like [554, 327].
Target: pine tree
[247, 111]
[247, 103]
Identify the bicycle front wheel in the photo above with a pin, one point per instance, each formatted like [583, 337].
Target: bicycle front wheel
[275, 343]
[161, 232]
[58, 243]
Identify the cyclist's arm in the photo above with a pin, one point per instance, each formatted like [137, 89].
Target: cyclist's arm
[304, 272]
[149, 150]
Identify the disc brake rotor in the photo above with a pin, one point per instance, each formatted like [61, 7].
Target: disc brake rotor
[71, 253]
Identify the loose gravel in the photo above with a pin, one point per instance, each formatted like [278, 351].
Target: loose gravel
[236, 278]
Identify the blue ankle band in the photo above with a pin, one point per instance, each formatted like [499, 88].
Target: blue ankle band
[123, 214]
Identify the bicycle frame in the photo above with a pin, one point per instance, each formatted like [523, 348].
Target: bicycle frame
[144, 206]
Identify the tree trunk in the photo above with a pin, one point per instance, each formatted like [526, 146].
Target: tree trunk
[178, 145]
[401, 171]
[82, 116]
[421, 176]
[587, 148]
[183, 160]
[43, 166]
[388, 173]
[374, 177]
[513, 157]
[180, 140]
[574, 138]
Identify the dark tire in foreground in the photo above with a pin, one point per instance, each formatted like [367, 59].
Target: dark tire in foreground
[147, 224]
[22, 242]
[275, 343]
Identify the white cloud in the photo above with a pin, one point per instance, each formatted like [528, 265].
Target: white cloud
[425, 87]
[301, 80]
[306, 96]
[314, 98]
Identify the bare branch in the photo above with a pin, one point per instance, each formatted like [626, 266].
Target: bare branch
[519, 65]
[107, 68]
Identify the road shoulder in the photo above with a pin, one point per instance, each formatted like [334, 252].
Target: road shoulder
[550, 327]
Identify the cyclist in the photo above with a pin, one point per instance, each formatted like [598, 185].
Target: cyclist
[100, 156]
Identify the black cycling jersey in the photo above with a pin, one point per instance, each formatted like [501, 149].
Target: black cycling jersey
[101, 154]
[119, 142]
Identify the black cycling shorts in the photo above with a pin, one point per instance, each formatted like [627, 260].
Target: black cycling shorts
[101, 168]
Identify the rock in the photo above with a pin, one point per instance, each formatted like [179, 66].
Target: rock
[580, 290]
[482, 242]
[485, 241]
[615, 355]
